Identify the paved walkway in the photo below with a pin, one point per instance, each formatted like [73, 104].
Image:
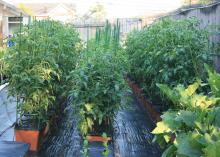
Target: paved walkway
[7, 116]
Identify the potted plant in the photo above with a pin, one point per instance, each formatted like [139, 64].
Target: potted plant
[98, 84]
[33, 119]
[98, 87]
[30, 130]
[37, 68]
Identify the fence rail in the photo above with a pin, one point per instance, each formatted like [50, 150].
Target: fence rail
[87, 29]
[210, 19]
[208, 15]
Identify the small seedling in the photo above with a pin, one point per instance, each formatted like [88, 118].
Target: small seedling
[85, 147]
[105, 144]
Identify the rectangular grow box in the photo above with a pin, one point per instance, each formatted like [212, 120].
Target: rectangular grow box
[30, 130]
[95, 135]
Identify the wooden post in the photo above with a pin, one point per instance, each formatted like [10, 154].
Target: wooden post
[1, 29]
[1, 33]
[87, 34]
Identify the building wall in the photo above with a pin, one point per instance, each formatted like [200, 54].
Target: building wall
[1, 24]
[209, 17]
[5, 27]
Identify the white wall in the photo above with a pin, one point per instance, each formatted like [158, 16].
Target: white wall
[5, 26]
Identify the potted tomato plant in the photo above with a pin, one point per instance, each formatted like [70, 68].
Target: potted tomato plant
[33, 118]
[37, 67]
[98, 85]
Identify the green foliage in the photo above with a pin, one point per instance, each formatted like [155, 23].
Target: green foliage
[106, 38]
[205, 2]
[98, 83]
[39, 63]
[105, 144]
[2, 53]
[192, 129]
[98, 86]
[214, 81]
[2, 63]
[85, 147]
[168, 52]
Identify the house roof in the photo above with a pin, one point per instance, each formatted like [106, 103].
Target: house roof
[14, 10]
[46, 8]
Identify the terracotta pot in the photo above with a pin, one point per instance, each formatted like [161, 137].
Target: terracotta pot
[92, 138]
[33, 137]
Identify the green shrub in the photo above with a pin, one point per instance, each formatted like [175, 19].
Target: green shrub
[193, 128]
[168, 51]
[39, 63]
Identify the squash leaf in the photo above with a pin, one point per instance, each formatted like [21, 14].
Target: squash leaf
[188, 145]
[170, 151]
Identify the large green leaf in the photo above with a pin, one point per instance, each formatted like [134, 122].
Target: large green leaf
[187, 117]
[214, 81]
[161, 128]
[212, 150]
[159, 138]
[188, 145]
[169, 118]
[191, 89]
[168, 123]
[203, 102]
[170, 151]
[216, 116]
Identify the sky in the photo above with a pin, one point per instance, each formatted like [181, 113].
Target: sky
[117, 8]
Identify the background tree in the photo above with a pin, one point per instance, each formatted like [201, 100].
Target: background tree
[96, 12]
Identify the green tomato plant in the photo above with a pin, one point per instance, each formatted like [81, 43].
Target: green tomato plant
[169, 52]
[38, 65]
[98, 84]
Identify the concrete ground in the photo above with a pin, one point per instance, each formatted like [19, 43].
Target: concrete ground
[7, 115]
